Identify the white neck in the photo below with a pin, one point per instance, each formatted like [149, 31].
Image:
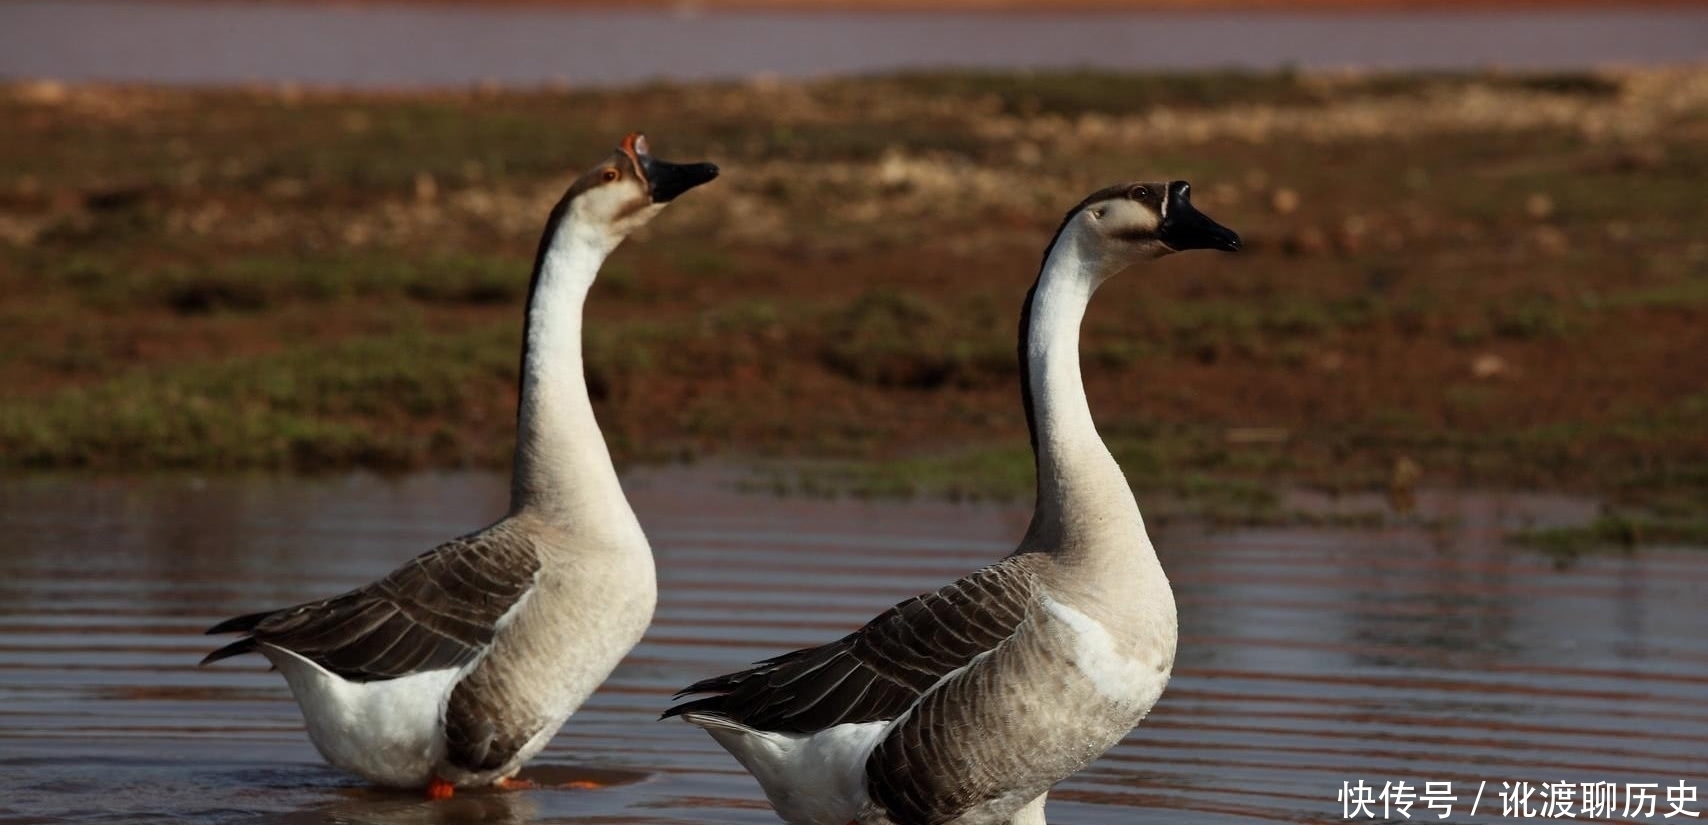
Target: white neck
[1084, 504]
[562, 465]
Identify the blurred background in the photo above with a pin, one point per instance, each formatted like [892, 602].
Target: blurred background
[262, 267]
[296, 236]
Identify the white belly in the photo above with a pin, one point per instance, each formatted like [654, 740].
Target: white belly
[810, 779]
[389, 732]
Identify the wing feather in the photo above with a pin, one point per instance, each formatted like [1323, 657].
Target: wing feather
[439, 610]
[879, 671]
[958, 747]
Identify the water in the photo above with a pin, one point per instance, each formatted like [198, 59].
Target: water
[433, 45]
[1307, 658]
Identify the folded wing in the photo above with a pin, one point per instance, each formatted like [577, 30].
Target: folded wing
[879, 671]
[441, 610]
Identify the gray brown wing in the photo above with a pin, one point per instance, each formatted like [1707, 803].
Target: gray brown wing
[1007, 726]
[880, 670]
[438, 611]
[926, 771]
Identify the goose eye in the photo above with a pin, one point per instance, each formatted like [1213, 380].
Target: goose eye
[1097, 214]
[1142, 193]
[608, 175]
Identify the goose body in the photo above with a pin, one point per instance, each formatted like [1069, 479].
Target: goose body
[461, 665]
[967, 704]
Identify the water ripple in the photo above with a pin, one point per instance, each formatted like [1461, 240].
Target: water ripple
[1307, 658]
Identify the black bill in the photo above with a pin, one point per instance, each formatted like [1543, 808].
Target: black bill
[1184, 227]
[671, 179]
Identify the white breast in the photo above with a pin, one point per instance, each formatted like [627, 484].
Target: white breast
[1132, 678]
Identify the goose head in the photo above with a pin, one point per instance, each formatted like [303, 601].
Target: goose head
[1123, 224]
[628, 188]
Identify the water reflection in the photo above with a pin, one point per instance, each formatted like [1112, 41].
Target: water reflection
[529, 44]
[372, 808]
[1307, 657]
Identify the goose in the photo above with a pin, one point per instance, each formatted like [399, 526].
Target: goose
[459, 666]
[967, 704]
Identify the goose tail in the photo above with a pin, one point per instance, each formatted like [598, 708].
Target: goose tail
[240, 624]
[709, 721]
[237, 624]
[244, 645]
[703, 710]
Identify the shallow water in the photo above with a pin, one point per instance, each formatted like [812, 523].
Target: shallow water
[172, 41]
[1307, 658]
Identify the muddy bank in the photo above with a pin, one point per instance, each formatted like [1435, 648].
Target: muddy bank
[1500, 279]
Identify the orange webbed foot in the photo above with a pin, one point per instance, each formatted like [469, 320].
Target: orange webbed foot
[511, 783]
[440, 789]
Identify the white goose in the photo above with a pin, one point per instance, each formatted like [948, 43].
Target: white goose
[966, 705]
[460, 665]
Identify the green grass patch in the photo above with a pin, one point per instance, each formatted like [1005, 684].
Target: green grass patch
[196, 284]
[1073, 93]
[357, 403]
[1076, 92]
[1615, 532]
[888, 338]
[1006, 473]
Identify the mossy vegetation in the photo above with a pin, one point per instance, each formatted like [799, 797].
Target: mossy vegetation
[1615, 532]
